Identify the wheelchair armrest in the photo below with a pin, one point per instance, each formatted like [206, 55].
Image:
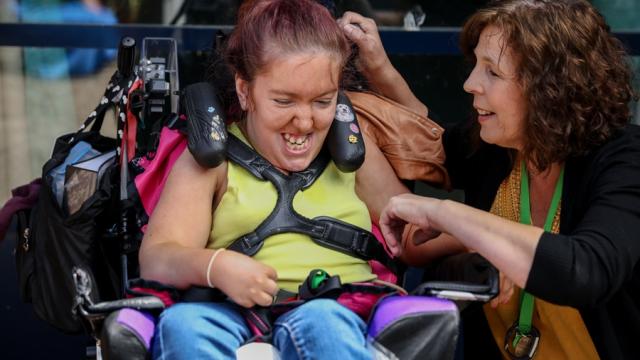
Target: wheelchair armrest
[466, 276]
[148, 303]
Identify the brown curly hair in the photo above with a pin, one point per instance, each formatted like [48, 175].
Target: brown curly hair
[574, 73]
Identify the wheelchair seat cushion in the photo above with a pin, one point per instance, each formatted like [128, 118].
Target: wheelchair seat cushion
[415, 327]
[127, 334]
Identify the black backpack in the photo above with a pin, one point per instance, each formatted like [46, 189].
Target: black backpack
[51, 242]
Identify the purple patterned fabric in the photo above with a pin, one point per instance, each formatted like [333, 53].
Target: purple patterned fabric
[23, 197]
[394, 307]
[139, 323]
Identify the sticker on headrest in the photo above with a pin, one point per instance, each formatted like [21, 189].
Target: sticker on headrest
[344, 113]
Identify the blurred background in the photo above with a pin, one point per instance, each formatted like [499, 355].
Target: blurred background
[57, 56]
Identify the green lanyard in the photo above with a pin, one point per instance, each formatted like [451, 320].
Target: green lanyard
[526, 302]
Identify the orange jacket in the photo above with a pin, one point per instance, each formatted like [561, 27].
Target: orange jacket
[412, 143]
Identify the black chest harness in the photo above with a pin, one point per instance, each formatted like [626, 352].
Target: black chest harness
[325, 231]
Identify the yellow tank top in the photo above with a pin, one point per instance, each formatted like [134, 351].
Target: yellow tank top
[563, 334]
[248, 201]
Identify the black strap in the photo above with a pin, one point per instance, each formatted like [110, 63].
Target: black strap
[325, 231]
[262, 318]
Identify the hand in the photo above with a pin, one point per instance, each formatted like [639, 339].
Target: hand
[506, 291]
[246, 281]
[407, 209]
[364, 33]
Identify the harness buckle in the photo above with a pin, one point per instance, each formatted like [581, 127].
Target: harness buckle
[362, 245]
[319, 284]
[248, 244]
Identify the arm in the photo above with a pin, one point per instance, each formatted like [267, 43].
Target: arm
[598, 254]
[376, 183]
[584, 267]
[173, 249]
[508, 245]
[179, 227]
[374, 62]
[415, 252]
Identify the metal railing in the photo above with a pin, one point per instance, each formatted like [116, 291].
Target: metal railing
[396, 40]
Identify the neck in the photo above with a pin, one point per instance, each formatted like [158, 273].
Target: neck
[550, 174]
[542, 184]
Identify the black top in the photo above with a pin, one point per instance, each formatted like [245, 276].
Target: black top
[592, 264]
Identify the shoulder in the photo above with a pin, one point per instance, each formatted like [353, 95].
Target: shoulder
[187, 172]
[624, 147]
[611, 166]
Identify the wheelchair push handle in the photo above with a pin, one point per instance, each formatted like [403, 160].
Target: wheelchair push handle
[126, 56]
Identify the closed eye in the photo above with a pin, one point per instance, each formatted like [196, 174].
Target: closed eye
[283, 101]
[324, 102]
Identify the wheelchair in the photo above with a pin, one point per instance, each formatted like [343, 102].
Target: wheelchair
[423, 324]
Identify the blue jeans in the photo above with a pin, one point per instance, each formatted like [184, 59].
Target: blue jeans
[319, 329]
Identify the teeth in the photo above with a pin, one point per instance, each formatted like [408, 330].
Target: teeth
[484, 112]
[295, 140]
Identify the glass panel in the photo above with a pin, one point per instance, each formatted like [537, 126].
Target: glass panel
[219, 12]
[45, 92]
[623, 15]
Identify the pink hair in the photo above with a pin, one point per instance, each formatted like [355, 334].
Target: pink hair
[270, 28]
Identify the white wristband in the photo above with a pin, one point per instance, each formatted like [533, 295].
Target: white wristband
[213, 258]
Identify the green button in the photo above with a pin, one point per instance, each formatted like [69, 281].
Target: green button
[318, 278]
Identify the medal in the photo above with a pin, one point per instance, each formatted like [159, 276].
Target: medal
[521, 346]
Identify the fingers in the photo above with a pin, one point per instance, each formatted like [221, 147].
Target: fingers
[362, 31]
[506, 292]
[265, 288]
[261, 293]
[270, 273]
[388, 228]
[354, 33]
[264, 296]
[246, 281]
[364, 24]
[421, 236]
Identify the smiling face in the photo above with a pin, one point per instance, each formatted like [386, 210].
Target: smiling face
[290, 106]
[497, 95]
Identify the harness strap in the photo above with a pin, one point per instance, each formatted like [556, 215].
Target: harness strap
[261, 319]
[325, 231]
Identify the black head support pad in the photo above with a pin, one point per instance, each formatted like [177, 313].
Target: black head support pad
[207, 133]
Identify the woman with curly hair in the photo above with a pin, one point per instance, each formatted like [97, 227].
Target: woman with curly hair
[551, 174]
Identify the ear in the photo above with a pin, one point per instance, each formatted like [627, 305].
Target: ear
[242, 89]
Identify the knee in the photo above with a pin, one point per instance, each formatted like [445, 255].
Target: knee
[321, 327]
[324, 307]
[211, 330]
[326, 314]
[181, 318]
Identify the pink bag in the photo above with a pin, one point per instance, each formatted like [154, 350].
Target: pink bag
[150, 182]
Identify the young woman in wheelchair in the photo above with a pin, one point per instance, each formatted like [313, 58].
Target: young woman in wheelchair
[287, 59]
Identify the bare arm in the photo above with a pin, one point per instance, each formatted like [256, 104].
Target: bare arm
[374, 62]
[174, 249]
[376, 184]
[417, 253]
[508, 245]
